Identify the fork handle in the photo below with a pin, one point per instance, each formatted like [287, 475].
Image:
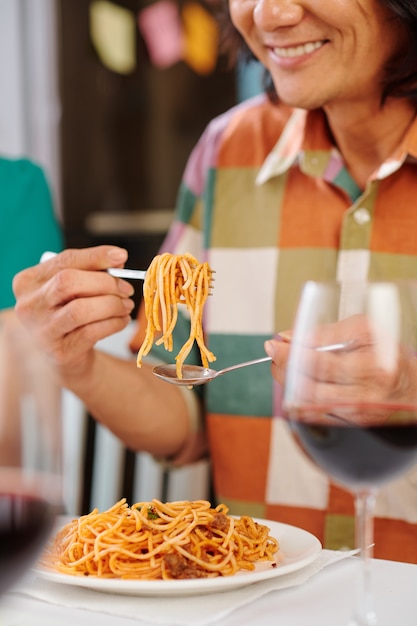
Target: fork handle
[123, 272]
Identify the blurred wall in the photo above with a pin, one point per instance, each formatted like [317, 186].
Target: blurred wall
[29, 102]
[125, 137]
[109, 144]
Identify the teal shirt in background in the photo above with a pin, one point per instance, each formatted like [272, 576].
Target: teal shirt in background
[28, 225]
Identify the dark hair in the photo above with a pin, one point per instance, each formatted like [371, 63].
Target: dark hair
[400, 74]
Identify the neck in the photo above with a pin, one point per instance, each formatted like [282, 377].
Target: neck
[368, 135]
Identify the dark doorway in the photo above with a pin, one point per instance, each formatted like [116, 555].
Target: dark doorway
[126, 138]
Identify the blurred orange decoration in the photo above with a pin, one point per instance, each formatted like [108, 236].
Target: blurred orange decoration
[171, 36]
[201, 38]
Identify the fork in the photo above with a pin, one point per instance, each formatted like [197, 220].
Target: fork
[124, 272]
[119, 272]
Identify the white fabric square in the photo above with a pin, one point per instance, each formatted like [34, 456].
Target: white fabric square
[397, 499]
[353, 265]
[293, 479]
[244, 290]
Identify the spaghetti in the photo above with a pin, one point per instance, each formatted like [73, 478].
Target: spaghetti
[155, 540]
[172, 280]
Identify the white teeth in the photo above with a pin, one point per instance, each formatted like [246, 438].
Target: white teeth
[297, 51]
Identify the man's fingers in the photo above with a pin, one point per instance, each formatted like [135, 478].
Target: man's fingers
[70, 284]
[94, 258]
[97, 258]
[84, 311]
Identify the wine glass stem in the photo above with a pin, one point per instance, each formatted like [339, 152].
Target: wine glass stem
[364, 613]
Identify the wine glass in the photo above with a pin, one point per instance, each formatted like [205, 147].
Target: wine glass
[351, 395]
[30, 459]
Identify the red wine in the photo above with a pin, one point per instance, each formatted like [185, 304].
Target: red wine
[360, 456]
[25, 524]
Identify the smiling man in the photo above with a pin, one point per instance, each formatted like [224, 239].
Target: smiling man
[315, 179]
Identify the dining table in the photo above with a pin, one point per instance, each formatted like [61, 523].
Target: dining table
[320, 594]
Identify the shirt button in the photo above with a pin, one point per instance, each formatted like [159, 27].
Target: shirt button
[361, 216]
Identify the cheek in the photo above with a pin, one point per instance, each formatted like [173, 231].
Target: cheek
[241, 13]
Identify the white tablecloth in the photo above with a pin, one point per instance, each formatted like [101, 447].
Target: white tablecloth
[326, 599]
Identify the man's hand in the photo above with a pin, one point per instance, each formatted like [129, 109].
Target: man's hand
[69, 302]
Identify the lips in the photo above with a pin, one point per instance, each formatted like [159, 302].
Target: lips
[299, 50]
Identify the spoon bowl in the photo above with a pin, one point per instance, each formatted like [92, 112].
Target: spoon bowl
[193, 375]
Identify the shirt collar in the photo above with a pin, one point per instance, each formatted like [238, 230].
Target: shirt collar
[286, 150]
[406, 151]
[307, 131]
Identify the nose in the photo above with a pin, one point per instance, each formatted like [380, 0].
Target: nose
[271, 14]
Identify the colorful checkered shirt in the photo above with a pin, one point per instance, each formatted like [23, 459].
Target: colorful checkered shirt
[267, 201]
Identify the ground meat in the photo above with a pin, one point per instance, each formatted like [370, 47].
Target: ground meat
[220, 522]
[179, 567]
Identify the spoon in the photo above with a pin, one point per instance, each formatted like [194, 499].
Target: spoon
[197, 374]
[193, 375]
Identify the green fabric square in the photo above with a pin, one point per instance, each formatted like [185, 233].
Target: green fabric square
[236, 507]
[259, 206]
[339, 532]
[247, 391]
[321, 265]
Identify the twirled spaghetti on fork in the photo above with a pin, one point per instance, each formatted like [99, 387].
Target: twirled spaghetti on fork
[174, 279]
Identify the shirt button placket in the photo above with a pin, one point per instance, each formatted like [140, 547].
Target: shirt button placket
[362, 216]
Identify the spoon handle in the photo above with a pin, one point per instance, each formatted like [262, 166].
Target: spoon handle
[244, 364]
[336, 347]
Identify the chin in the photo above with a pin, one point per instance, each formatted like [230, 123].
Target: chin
[299, 96]
[308, 102]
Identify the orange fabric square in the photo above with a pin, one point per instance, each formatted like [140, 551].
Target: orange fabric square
[312, 520]
[318, 221]
[341, 502]
[240, 453]
[258, 129]
[395, 540]
[394, 230]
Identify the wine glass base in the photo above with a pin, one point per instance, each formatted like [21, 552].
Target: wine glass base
[367, 620]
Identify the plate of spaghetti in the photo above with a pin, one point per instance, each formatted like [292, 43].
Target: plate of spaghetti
[175, 548]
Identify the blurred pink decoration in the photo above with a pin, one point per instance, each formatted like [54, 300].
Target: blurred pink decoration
[161, 28]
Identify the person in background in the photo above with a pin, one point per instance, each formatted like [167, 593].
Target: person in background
[315, 179]
[28, 225]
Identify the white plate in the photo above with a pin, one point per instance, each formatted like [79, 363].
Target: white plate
[298, 548]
